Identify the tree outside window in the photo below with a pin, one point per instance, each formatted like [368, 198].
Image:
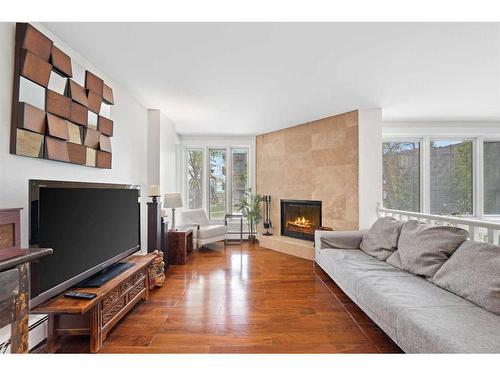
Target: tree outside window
[451, 178]
[195, 178]
[401, 175]
[217, 184]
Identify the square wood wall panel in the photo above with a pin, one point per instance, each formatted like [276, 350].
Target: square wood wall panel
[76, 92]
[31, 118]
[34, 41]
[103, 160]
[105, 126]
[29, 143]
[79, 114]
[35, 69]
[61, 62]
[94, 83]
[94, 101]
[56, 149]
[54, 117]
[57, 127]
[77, 154]
[58, 104]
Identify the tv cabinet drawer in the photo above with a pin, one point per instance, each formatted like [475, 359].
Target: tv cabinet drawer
[113, 311]
[136, 290]
[139, 275]
[127, 284]
[110, 299]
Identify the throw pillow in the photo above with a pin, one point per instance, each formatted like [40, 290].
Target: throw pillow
[473, 272]
[382, 238]
[424, 248]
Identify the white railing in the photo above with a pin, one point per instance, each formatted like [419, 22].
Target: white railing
[479, 230]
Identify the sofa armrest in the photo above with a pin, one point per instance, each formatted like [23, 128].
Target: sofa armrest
[337, 240]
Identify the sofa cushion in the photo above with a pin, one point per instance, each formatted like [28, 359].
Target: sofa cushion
[382, 238]
[347, 267]
[448, 329]
[209, 231]
[473, 272]
[424, 248]
[389, 297]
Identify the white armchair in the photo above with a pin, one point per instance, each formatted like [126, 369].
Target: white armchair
[204, 232]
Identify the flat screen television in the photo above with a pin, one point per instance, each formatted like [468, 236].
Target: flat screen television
[90, 226]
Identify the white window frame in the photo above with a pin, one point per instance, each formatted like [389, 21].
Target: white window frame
[228, 144]
[411, 140]
[425, 134]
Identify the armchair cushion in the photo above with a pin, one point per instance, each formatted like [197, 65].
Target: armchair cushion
[209, 231]
[197, 216]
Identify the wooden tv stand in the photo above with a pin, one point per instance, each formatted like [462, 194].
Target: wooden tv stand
[96, 317]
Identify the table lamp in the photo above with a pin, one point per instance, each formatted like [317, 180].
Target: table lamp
[173, 201]
[154, 192]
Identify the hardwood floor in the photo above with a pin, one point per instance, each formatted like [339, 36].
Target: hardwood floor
[244, 299]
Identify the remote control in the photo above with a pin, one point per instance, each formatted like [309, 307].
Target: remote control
[83, 295]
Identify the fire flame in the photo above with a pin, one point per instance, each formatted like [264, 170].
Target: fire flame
[301, 222]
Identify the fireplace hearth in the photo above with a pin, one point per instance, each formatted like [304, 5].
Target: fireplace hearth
[300, 218]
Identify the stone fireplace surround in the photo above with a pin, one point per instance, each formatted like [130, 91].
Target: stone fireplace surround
[317, 160]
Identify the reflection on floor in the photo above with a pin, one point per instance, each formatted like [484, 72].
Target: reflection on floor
[244, 299]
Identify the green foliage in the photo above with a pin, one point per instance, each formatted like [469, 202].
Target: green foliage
[249, 205]
[195, 170]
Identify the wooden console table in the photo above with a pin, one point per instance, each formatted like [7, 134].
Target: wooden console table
[96, 317]
[180, 245]
[14, 279]
[14, 293]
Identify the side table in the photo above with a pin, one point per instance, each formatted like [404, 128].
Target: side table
[180, 245]
[234, 216]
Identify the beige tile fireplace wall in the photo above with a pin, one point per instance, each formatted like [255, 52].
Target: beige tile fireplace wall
[317, 160]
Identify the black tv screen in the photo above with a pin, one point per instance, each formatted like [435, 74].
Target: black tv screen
[89, 228]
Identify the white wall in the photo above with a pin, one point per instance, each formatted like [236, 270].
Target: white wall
[169, 142]
[370, 165]
[162, 144]
[128, 142]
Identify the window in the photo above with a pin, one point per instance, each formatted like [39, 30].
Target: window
[492, 178]
[217, 184]
[194, 162]
[239, 182]
[401, 175]
[451, 178]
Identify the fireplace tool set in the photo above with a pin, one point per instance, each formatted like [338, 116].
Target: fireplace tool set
[267, 215]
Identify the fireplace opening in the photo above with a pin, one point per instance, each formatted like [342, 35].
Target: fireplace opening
[300, 218]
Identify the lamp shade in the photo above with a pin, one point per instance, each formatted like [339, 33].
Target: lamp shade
[172, 200]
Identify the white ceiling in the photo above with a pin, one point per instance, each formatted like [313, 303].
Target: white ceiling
[237, 78]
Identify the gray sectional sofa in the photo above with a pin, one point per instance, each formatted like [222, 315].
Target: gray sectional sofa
[449, 301]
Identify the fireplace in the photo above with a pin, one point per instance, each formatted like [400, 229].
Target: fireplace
[300, 218]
